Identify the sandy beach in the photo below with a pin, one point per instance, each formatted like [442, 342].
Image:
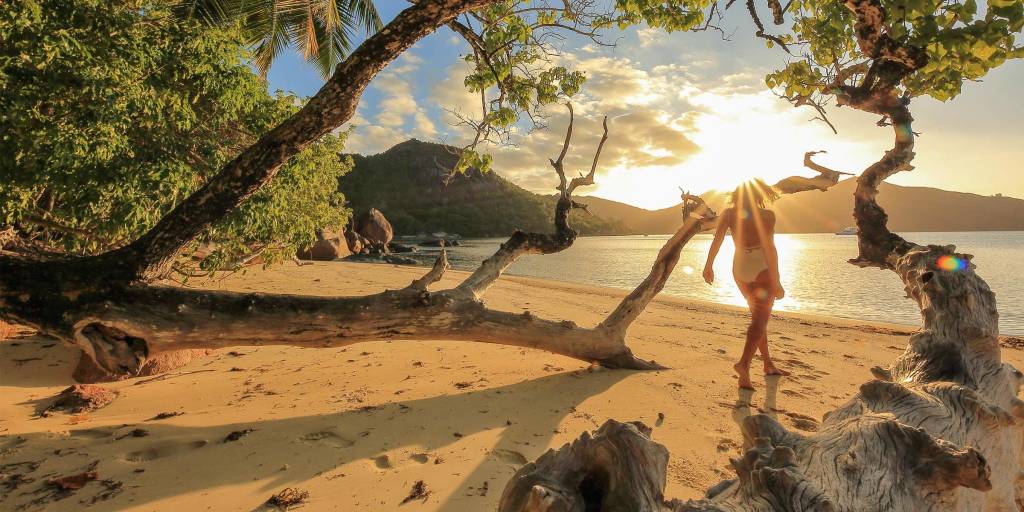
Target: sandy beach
[357, 427]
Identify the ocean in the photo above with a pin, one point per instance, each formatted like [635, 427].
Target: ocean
[814, 271]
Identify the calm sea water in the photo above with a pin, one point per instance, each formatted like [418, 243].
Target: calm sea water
[814, 271]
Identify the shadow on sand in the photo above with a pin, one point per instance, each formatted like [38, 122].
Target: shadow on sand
[179, 459]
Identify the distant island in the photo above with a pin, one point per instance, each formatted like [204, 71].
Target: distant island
[405, 182]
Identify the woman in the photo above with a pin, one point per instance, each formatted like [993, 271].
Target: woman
[755, 267]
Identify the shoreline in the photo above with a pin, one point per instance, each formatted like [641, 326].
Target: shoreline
[907, 328]
[358, 426]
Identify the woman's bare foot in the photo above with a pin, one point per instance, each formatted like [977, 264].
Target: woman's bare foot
[743, 370]
[770, 369]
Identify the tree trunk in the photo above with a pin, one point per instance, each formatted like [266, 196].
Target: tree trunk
[122, 325]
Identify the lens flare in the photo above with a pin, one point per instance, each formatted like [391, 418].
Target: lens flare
[951, 263]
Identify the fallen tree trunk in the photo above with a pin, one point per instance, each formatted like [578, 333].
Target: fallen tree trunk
[120, 326]
[941, 428]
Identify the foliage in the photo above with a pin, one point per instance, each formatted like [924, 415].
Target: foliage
[515, 59]
[113, 112]
[322, 30]
[407, 185]
[960, 44]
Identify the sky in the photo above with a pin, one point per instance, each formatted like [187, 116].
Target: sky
[686, 110]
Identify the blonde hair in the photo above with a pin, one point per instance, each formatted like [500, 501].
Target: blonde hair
[754, 192]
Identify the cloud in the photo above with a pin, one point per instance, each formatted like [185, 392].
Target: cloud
[450, 95]
[669, 130]
[398, 116]
[650, 37]
[669, 126]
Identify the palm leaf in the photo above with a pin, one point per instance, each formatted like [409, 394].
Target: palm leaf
[321, 30]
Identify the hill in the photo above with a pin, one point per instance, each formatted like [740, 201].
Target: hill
[406, 183]
[909, 208]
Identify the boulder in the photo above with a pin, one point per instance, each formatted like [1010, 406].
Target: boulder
[329, 245]
[375, 227]
[356, 243]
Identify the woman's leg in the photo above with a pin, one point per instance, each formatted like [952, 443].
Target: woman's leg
[761, 303]
[760, 313]
[754, 335]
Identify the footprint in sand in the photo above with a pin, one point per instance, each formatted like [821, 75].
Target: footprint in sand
[510, 457]
[165, 449]
[328, 438]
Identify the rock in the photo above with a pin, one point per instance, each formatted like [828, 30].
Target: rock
[329, 246]
[81, 398]
[356, 242]
[399, 248]
[373, 226]
[437, 243]
[393, 259]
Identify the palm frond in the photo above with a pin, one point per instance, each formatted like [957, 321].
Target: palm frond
[321, 30]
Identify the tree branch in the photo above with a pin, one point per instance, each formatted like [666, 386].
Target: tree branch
[150, 256]
[435, 274]
[521, 243]
[619, 320]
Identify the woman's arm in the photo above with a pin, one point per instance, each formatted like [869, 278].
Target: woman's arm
[771, 254]
[716, 244]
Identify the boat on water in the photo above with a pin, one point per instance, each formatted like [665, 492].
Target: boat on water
[847, 231]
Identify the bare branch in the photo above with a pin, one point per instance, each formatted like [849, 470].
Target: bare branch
[760, 28]
[558, 164]
[520, 242]
[435, 274]
[826, 179]
[589, 178]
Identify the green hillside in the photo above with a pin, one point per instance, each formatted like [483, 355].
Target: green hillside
[406, 183]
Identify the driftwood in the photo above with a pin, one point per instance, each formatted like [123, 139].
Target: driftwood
[939, 429]
[616, 468]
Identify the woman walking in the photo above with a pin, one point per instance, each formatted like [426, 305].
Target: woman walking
[755, 267]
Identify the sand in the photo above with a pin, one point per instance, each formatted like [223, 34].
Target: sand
[358, 427]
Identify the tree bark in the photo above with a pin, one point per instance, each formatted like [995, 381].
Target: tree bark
[616, 468]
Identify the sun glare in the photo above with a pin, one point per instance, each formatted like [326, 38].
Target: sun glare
[741, 137]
